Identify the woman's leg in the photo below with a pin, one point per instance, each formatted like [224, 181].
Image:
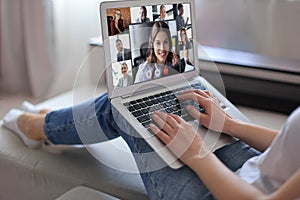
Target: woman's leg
[91, 121]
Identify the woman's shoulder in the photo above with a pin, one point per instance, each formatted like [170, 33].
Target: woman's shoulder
[142, 68]
[296, 113]
[294, 120]
[144, 65]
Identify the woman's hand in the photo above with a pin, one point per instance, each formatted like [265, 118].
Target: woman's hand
[179, 136]
[214, 118]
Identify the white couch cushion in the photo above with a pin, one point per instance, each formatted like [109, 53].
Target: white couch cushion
[49, 172]
[80, 193]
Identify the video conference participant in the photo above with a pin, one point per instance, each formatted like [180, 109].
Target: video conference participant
[184, 43]
[123, 53]
[143, 15]
[127, 79]
[181, 21]
[117, 24]
[178, 63]
[163, 13]
[185, 46]
[158, 63]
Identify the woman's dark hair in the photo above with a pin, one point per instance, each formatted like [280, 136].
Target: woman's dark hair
[156, 28]
[144, 9]
[179, 6]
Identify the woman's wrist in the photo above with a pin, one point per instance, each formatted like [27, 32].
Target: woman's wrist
[196, 159]
[231, 126]
[195, 162]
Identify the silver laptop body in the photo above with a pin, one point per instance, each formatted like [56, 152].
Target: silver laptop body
[132, 36]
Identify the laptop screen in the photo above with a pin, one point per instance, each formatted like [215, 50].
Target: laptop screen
[149, 42]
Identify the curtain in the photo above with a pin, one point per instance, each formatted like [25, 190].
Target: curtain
[27, 47]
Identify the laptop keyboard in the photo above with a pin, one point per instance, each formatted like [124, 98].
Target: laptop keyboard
[142, 109]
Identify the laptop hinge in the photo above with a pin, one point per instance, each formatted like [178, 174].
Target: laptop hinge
[142, 92]
[147, 90]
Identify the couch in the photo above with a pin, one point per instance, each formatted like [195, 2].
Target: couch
[105, 171]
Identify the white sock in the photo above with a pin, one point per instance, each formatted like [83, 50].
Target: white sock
[10, 122]
[28, 107]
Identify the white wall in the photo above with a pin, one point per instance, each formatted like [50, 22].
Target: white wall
[75, 22]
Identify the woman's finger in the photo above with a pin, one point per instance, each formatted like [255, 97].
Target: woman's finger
[161, 121]
[201, 100]
[165, 138]
[188, 96]
[204, 93]
[178, 119]
[195, 113]
[200, 92]
[169, 119]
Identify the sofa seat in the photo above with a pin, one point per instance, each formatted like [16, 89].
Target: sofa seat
[80, 193]
[49, 172]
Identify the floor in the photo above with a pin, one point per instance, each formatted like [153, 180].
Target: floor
[261, 117]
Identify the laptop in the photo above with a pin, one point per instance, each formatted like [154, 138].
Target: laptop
[147, 69]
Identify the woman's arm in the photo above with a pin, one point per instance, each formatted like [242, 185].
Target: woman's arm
[224, 184]
[112, 27]
[185, 142]
[139, 74]
[121, 25]
[256, 136]
[118, 27]
[216, 119]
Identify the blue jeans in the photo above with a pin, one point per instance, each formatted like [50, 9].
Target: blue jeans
[96, 121]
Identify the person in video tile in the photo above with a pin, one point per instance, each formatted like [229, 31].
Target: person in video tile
[158, 63]
[127, 79]
[117, 24]
[178, 63]
[143, 15]
[162, 13]
[185, 45]
[123, 53]
[181, 21]
[184, 40]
